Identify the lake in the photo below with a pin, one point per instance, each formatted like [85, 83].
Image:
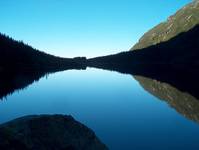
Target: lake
[126, 112]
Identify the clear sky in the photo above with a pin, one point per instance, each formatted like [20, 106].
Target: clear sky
[83, 27]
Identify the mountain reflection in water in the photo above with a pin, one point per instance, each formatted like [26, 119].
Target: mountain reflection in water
[178, 88]
[182, 102]
[18, 80]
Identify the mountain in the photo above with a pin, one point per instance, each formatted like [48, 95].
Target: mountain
[15, 55]
[174, 43]
[182, 21]
[181, 51]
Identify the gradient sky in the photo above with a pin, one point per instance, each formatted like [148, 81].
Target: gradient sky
[83, 27]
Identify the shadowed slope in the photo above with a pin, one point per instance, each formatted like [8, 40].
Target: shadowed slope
[183, 50]
[15, 55]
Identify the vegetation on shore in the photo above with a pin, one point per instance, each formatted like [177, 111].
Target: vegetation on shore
[15, 55]
[182, 50]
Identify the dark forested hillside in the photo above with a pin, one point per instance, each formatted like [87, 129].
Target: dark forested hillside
[180, 50]
[17, 55]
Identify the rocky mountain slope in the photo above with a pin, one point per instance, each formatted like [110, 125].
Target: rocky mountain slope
[184, 20]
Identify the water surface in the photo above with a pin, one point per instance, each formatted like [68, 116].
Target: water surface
[122, 113]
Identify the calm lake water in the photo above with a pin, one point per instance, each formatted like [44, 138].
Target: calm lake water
[115, 106]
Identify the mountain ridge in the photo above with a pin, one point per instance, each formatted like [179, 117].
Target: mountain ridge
[15, 55]
[182, 21]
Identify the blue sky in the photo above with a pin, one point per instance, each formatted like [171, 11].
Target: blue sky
[83, 27]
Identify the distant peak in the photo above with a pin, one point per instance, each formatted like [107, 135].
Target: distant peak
[182, 21]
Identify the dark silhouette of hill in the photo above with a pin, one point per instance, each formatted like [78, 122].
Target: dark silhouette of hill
[15, 55]
[181, 51]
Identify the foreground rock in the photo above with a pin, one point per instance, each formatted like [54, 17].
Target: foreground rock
[47, 132]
